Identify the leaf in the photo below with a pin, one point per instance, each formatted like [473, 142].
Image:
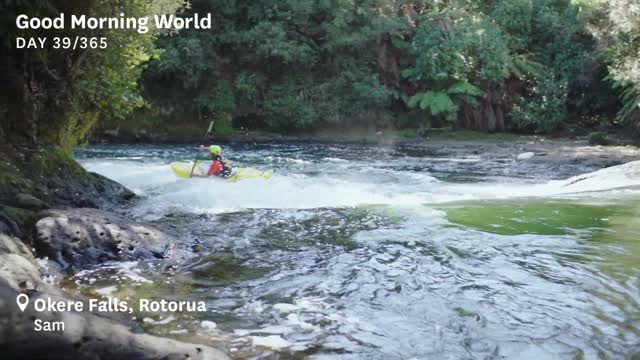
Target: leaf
[426, 100]
[413, 101]
[408, 73]
[442, 103]
[441, 76]
[521, 68]
[630, 97]
[467, 99]
[437, 102]
[464, 87]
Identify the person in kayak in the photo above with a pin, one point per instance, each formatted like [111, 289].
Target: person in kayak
[218, 166]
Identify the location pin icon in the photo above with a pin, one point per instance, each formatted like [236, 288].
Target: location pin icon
[23, 301]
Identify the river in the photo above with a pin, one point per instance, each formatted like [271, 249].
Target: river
[358, 252]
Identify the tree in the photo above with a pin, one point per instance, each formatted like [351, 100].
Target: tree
[624, 60]
[54, 96]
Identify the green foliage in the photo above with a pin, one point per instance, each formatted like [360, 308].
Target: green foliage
[598, 138]
[515, 17]
[286, 107]
[529, 64]
[436, 102]
[287, 62]
[454, 45]
[351, 97]
[70, 90]
[246, 86]
[223, 125]
[464, 88]
[445, 102]
[525, 69]
[543, 108]
[218, 99]
[617, 25]
[629, 112]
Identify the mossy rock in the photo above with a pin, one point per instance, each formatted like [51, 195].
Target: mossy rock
[223, 269]
[53, 162]
[28, 201]
[16, 221]
[12, 181]
[52, 176]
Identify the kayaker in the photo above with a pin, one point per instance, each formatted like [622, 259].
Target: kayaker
[218, 166]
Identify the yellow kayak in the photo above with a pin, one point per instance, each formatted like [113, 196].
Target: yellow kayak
[182, 169]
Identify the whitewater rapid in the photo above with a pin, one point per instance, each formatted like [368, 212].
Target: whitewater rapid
[162, 192]
[353, 250]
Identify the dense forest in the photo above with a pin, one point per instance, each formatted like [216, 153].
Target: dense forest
[294, 65]
[520, 65]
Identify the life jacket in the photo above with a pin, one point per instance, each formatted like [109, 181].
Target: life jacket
[219, 168]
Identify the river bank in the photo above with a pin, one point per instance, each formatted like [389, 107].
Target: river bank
[559, 150]
[50, 226]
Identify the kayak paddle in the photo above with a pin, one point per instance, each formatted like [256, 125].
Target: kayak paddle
[198, 153]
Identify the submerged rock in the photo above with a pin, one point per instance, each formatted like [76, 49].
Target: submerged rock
[84, 236]
[525, 155]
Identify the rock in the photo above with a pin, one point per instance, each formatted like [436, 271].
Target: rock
[17, 264]
[16, 221]
[110, 189]
[28, 201]
[8, 225]
[525, 155]
[84, 236]
[49, 175]
[85, 336]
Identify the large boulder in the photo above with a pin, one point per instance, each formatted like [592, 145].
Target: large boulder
[33, 178]
[84, 236]
[85, 336]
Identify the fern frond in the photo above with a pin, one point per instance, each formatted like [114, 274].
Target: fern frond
[437, 102]
[629, 94]
[522, 68]
[464, 87]
[414, 100]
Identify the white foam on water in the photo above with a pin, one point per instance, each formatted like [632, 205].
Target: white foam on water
[125, 270]
[137, 176]
[165, 193]
[272, 341]
[280, 192]
[164, 321]
[107, 291]
[209, 325]
[615, 178]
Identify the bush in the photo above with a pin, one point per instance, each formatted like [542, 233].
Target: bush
[598, 138]
[543, 109]
[285, 107]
